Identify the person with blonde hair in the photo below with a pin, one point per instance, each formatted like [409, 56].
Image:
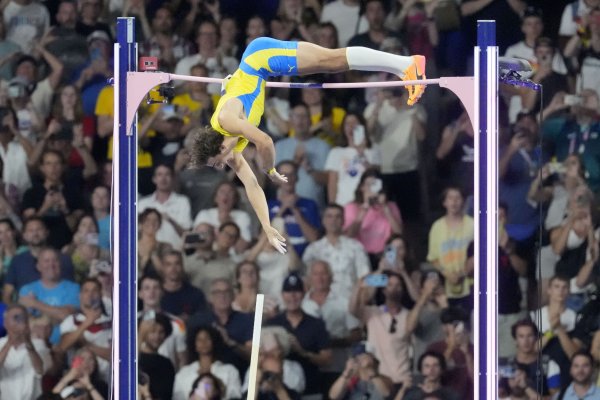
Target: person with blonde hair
[159, 369]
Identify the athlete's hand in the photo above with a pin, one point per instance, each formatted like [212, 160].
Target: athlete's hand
[276, 177]
[276, 240]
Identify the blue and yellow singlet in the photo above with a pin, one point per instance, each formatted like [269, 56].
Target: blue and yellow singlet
[264, 57]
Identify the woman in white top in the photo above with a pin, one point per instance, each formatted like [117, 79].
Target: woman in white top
[346, 164]
[226, 208]
[205, 345]
[247, 278]
[273, 265]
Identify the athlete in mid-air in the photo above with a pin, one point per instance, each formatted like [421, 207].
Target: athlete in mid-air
[237, 115]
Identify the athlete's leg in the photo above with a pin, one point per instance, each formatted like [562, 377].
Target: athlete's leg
[313, 59]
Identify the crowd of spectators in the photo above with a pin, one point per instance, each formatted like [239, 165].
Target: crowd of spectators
[374, 298]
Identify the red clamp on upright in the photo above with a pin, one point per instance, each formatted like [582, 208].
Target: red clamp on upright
[148, 64]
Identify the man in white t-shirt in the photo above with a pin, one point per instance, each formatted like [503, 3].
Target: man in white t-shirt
[344, 14]
[175, 208]
[346, 256]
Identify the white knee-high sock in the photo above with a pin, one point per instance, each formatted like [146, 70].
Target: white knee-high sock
[365, 59]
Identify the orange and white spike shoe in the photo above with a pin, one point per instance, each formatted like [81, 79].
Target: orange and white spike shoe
[415, 71]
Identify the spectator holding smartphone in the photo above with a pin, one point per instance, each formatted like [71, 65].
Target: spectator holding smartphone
[271, 385]
[207, 387]
[90, 326]
[398, 257]
[457, 350]
[386, 326]
[82, 378]
[431, 366]
[346, 163]
[371, 218]
[424, 318]
[361, 378]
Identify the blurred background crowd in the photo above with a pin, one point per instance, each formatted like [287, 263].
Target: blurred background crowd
[374, 298]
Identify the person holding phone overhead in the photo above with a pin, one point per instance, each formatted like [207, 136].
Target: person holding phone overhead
[371, 218]
[386, 326]
[238, 113]
[346, 163]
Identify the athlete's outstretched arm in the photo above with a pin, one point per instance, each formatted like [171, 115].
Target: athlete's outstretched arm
[257, 199]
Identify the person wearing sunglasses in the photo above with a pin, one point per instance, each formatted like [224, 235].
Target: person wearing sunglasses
[386, 326]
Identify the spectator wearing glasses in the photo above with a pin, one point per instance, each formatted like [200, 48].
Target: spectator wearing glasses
[234, 327]
[386, 326]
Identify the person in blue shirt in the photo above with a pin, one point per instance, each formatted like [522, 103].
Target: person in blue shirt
[301, 215]
[50, 295]
[22, 269]
[582, 373]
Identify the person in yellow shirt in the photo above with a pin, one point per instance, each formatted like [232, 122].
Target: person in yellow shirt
[196, 101]
[449, 239]
[105, 114]
[238, 113]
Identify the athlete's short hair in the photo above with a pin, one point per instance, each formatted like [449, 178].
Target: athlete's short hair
[207, 143]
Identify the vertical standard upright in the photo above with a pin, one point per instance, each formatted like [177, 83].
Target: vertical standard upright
[486, 207]
[124, 226]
